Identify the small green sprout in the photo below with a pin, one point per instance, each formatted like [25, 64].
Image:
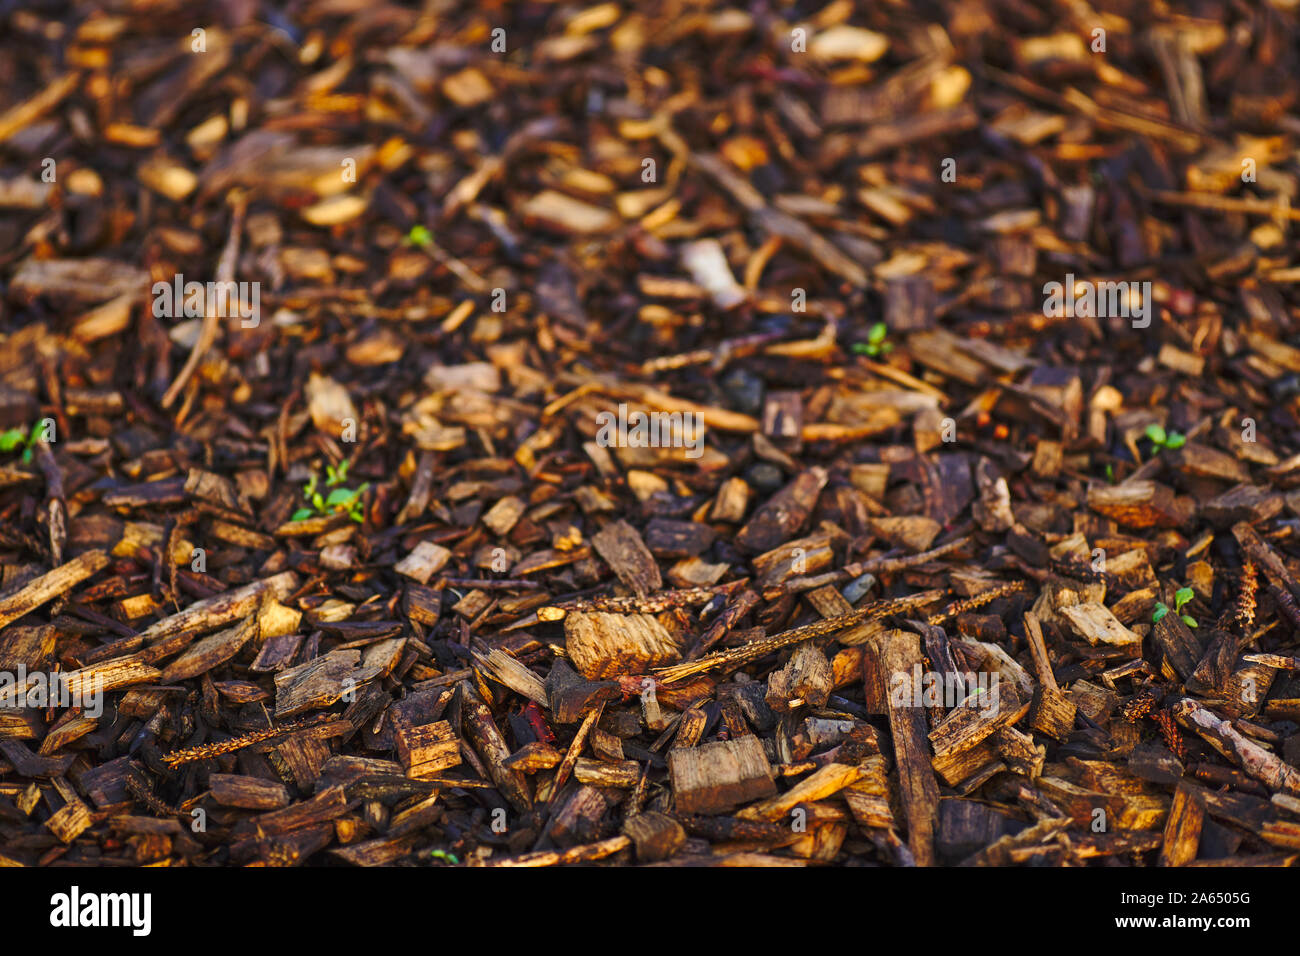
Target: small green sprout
[876, 345]
[445, 857]
[1181, 597]
[1161, 440]
[339, 499]
[20, 437]
[419, 236]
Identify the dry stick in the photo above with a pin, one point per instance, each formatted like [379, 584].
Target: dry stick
[1276, 661]
[1266, 767]
[873, 566]
[141, 790]
[575, 748]
[576, 854]
[761, 648]
[55, 506]
[971, 603]
[205, 751]
[651, 604]
[22, 115]
[1217, 203]
[211, 321]
[50, 585]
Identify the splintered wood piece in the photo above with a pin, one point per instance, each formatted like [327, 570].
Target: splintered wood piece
[718, 776]
[1264, 766]
[222, 609]
[1140, 504]
[211, 651]
[1050, 712]
[504, 668]
[900, 652]
[108, 676]
[731, 502]
[423, 605]
[73, 818]
[971, 723]
[426, 560]
[584, 853]
[50, 585]
[657, 836]
[426, 749]
[804, 681]
[610, 645]
[600, 773]
[491, 746]
[621, 547]
[1179, 645]
[1096, 625]
[320, 682]
[826, 782]
[576, 746]
[569, 696]
[533, 757]
[782, 515]
[248, 793]
[1183, 827]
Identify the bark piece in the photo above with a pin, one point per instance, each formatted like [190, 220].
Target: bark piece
[621, 547]
[900, 652]
[611, 645]
[657, 836]
[784, 514]
[427, 749]
[716, 777]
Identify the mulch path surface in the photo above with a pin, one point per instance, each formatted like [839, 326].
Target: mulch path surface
[368, 559]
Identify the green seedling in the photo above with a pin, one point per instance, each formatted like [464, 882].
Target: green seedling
[1181, 597]
[337, 499]
[419, 236]
[1161, 440]
[16, 438]
[445, 857]
[876, 344]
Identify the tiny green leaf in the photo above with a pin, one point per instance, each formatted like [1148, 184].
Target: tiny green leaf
[1156, 434]
[1182, 596]
[1189, 620]
[1176, 440]
[1160, 611]
[318, 502]
[12, 439]
[302, 514]
[339, 496]
[876, 334]
[419, 236]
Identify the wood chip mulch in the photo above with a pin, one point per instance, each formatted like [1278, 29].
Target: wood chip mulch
[916, 571]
